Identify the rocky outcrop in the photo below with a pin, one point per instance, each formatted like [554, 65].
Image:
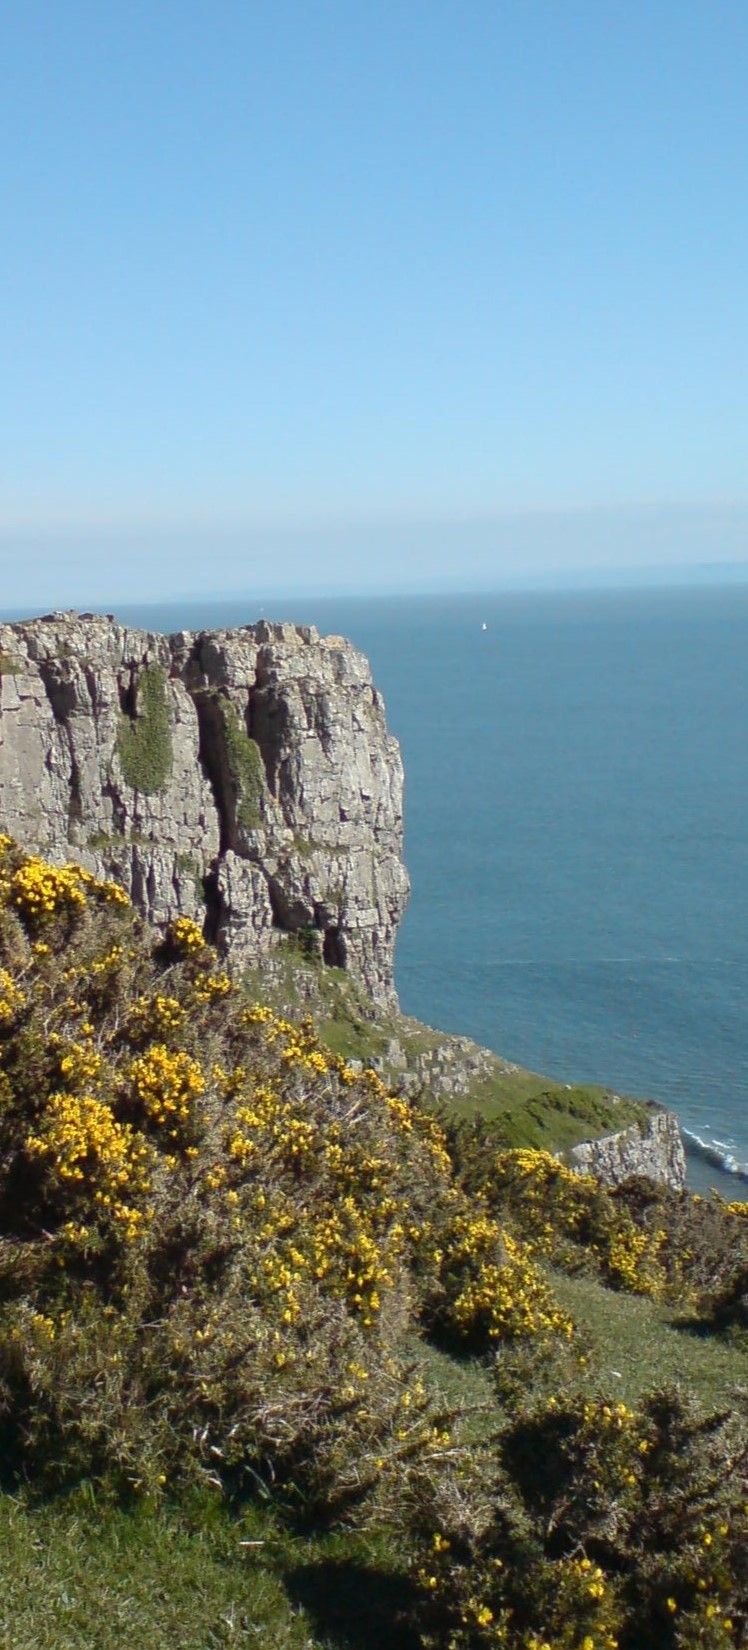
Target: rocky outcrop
[452, 1068]
[654, 1149]
[244, 778]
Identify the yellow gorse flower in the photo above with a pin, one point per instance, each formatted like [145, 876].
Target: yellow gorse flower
[166, 1083]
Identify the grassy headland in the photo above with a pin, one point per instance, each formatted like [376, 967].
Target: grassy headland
[523, 1108]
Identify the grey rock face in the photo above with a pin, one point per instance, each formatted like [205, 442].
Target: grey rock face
[244, 778]
[656, 1151]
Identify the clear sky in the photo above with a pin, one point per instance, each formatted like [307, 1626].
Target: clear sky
[338, 295]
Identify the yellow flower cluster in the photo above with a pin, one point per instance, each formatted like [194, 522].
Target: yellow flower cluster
[186, 937]
[297, 1044]
[109, 892]
[166, 1083]
[40, 890]
[109, 962]
[258, 1014]
[12, 999]
[500, 1290]
[358, 1260]
[80, 1063]
[155, 1015]
[554, 1206]
[212, 987]
[583, 1595]
[84, 1144]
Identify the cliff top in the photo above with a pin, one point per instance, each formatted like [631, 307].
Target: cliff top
[242, 777]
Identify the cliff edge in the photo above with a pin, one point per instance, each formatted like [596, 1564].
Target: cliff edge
[244, 778]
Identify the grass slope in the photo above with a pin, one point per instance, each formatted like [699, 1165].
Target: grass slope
[523, 1107]
[82, 1574]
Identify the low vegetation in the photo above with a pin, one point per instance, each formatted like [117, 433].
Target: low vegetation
[144, 741]
[319, 1344]
[505, 1104]
[246, 767]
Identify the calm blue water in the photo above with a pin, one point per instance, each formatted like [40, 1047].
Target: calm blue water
[577, 828]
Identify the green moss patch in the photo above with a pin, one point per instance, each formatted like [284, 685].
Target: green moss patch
[144, 743]
[245, 767]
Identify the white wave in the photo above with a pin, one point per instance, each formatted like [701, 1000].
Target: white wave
[717, 1153]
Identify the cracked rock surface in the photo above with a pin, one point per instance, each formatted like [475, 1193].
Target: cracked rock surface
[244, 778]
[655, 1150]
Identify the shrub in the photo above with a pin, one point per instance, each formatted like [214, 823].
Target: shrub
[572, 1219]
[213, 1232]
[218, 1242]
[487, 1290]
[609, 1529]
[724, 1309]
[640, 1237]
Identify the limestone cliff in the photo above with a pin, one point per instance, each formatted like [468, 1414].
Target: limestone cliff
[654, 1149]
[244, 778]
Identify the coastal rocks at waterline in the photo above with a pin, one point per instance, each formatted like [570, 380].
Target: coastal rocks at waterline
[244, 778]
[654, 1148]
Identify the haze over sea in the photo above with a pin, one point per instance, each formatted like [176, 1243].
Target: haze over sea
[576, 828]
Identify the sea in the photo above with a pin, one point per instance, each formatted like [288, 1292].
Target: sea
[576, 831]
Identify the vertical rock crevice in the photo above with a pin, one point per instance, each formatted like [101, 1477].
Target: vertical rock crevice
[214, 758]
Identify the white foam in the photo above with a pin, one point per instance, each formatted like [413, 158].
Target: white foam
[717, 1153]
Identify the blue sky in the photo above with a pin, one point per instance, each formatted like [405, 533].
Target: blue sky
[342, 296]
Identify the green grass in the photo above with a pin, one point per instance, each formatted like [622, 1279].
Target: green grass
[523, 1107]
[10, 665]
[294, 981]
[527, 1110]
[85, 1576]
[630, 1344]
[82, 1574]
[649, 1344]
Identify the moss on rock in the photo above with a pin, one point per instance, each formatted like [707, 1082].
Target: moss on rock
[144, 742]
[245, 766]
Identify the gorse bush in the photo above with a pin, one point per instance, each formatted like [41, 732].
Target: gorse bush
[609, 1528]
[219, 1244]
[640, 1237]
[564, 1213]
[214, 1232]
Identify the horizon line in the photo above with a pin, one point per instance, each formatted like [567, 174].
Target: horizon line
[574, 582]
